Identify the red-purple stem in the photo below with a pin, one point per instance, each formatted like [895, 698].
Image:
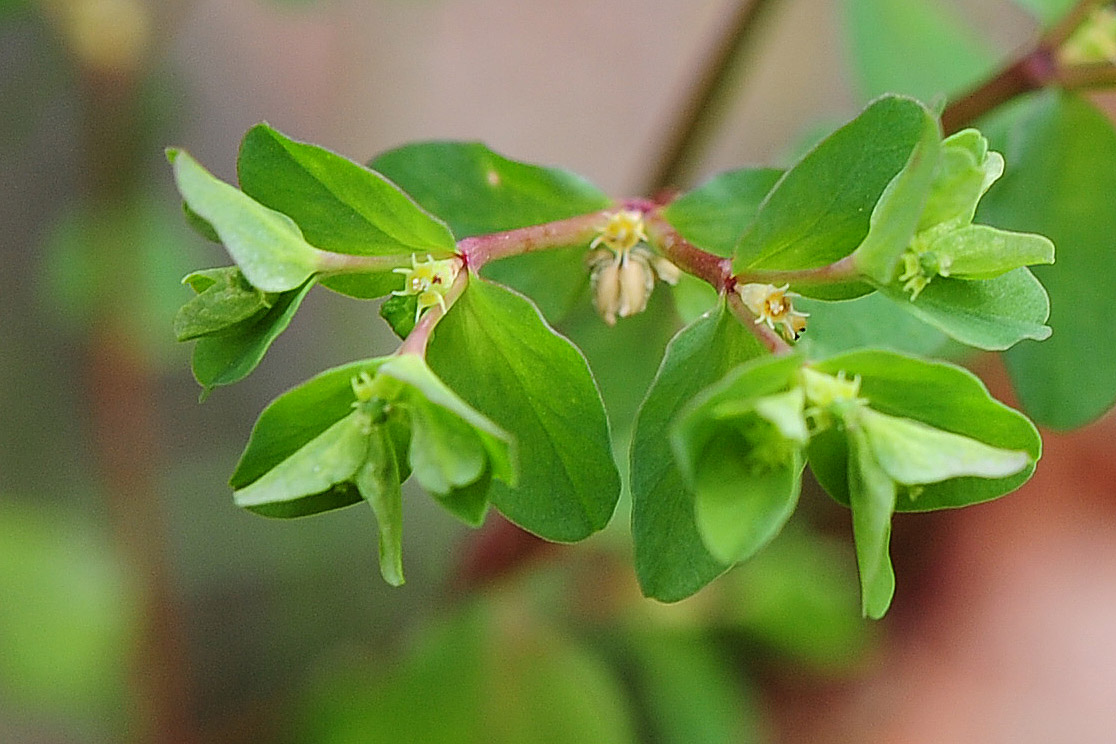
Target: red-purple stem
[419, 337]
[580, 230]
[714, 269]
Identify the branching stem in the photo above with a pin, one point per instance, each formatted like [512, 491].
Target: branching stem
[419, 337]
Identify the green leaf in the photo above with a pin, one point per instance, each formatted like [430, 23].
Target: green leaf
[750, 394]
[307, 439]
[1062, 153]
[671, 560]
[199, 224]
[966, 169]
[667, 666]
[224, 299]
[477, 191]
[298, 416]
[737, 509]
[940, 395]
[819, 210]
[378, 481]
[299, 484]
[468, 503]
[992, 314]
[714, 215]
[400, 312]
[872, 498]
[452, 446]
[340, 205]
[738, 445]
[869, 321]
[499, 355]
[899, 210]
[917, 47]
[982, 252]
[230, 356]
[913, 453]
[267, 245]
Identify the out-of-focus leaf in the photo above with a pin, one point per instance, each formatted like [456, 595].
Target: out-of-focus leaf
[668, 668]
[917, 47]
[475, 679]
[123, 261]
[68, 618]
[1060, 182]
[1047, 11]
[714, 215]
[798, 597]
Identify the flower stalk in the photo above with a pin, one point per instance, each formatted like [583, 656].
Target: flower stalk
[419, 337]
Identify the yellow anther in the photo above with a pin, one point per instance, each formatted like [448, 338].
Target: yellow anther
[772, 305]
[429, 281]
[623, 231]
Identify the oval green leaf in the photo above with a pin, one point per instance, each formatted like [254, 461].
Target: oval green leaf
[267, 245]
[940, 395]
[819, 210]
[496, 352]
[991, 314]
[340, 205]
[1062, 153]
[671, 559]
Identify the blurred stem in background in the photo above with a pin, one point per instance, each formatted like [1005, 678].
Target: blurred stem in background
[112, 45]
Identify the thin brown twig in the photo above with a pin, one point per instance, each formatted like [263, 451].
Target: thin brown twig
[1035, 69]
[690, 128]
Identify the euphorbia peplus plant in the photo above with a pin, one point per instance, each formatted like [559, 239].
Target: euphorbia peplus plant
[485, 403]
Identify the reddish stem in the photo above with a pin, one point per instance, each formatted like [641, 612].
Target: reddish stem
[419, 337]
[580, 230]
[685, 255]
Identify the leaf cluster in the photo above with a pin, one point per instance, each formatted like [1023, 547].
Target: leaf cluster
[487, 403]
